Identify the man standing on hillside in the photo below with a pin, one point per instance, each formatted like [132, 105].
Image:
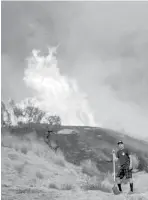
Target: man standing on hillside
[125, 160]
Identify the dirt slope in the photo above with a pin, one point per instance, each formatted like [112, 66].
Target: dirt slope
[80, 143]
[31, 171]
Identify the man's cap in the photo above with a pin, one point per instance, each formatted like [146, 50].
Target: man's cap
[120, 142]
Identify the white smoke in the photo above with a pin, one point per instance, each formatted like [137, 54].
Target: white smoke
[57, 94]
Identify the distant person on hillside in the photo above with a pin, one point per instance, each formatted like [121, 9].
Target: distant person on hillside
[124, 157]
[47, 136]
[48, 139]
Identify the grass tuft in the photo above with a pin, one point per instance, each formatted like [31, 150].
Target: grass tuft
[89, 168]
[24, 149]
[53, 186]
[39, 175]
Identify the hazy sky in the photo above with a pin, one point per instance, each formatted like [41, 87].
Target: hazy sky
[103, 45]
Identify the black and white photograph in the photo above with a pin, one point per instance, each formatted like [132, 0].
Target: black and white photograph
[74, 100]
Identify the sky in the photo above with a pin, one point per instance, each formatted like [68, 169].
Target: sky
[103, 46]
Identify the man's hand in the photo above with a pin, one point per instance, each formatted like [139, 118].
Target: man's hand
[113, 151]
[130, 167]
[114, 156]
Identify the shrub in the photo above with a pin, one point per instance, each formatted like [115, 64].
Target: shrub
[24, 149]
[135, 161]
[66, 187]
[95, 183]
[16, 147]
[89, 168]
[19, 168]
[7, 141]
[13, 156]
[58, 158]
[53, 185]
[39, 175]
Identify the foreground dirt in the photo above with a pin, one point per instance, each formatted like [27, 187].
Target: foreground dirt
[24, 193]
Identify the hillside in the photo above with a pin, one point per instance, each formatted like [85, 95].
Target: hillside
[81, 143]
[30, 170]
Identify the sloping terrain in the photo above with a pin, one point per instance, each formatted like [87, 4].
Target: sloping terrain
[81, 143]
[30, 170]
